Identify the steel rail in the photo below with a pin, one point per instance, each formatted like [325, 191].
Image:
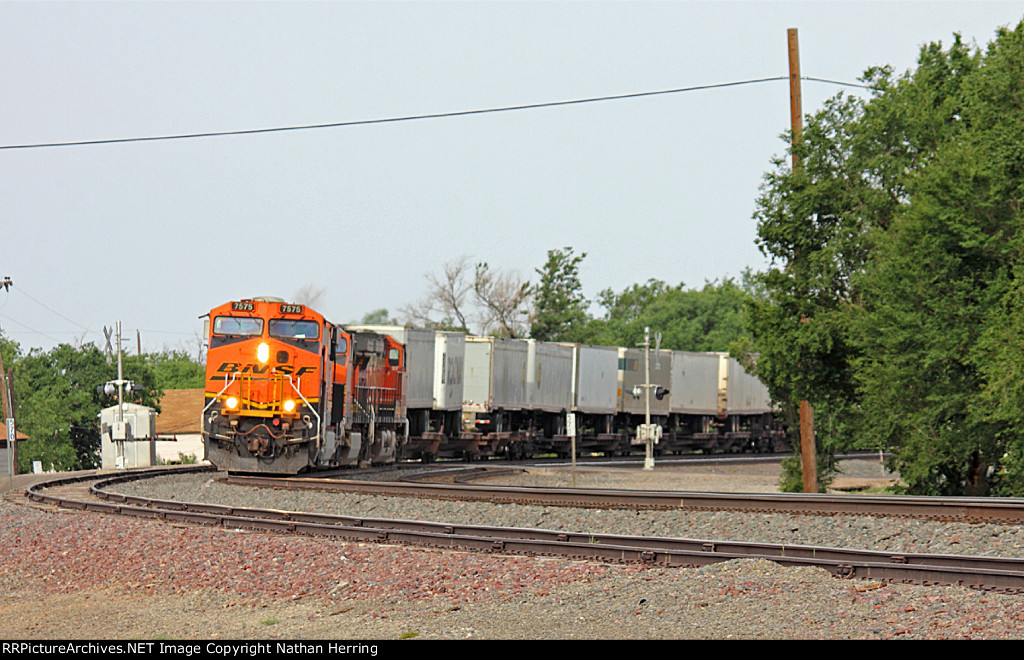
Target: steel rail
[986, 573]
[960, 509]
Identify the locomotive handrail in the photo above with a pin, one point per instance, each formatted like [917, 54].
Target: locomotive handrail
[227, 384]
[308, 405]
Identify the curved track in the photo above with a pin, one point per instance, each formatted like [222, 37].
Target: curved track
[456, 485]
[88, 492]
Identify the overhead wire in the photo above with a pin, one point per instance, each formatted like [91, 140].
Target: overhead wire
[22, 291]
[438, 115]
[366, 122]
[30, 329]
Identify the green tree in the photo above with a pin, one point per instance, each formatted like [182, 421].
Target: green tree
[10, 351]
[944, 287]
[378, 317]
[894, 288]
[998, 116]
[560, 308]
[1002, 399]
[707, 319]
[175, 370]
[57, 404]
[813, 223]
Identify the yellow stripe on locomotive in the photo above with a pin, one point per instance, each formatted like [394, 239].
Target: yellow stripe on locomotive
[263, 377]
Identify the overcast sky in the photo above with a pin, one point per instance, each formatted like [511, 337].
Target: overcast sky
[155, 233]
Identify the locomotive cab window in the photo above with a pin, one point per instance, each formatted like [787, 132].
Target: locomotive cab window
[294, 329]
[341, 348]
[244, 326]
[393, 357]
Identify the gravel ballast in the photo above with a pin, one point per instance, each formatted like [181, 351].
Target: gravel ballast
[86, 575]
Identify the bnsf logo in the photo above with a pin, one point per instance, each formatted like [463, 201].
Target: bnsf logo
[232, 367]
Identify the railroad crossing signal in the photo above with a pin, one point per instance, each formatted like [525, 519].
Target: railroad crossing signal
[649, 432]
[107, 332]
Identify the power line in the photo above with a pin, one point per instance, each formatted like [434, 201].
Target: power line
[169, 332]
[22, 291]
[440, 115]
[32, 330]
[838, 82]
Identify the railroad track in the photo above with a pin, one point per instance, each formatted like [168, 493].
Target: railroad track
[88, 493]
[452, 484]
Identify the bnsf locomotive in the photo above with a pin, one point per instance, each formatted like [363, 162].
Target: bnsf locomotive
[288, 391]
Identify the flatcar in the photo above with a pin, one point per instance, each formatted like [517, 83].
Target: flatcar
[287, 391]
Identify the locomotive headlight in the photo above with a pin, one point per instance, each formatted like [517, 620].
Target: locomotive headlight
[231, 402]
[289, 406]
[263, 353]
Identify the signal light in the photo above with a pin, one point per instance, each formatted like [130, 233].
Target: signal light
[289, 406]
[231, 402]
[263, 353]
[660, 393]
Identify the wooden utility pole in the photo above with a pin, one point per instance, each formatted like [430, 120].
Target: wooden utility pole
[808, 454]
[7, 408]
[796, 113]
[3, 389]
[7, 405]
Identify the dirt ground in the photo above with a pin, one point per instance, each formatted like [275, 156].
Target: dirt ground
[739, 476]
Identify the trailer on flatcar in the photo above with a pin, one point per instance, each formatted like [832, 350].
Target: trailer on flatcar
[287, 391]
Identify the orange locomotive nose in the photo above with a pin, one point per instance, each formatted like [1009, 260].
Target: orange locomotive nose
[264, 410]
